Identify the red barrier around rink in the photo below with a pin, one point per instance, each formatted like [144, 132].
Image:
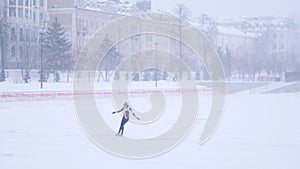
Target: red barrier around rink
[45, 95]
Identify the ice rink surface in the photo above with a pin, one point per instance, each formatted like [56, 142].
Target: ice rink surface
[257, 131]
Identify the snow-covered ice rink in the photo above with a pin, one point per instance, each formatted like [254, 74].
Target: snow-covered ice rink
[257, 131]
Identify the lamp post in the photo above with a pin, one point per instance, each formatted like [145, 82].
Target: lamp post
[156, 44]
[43, 34]
[42, 58]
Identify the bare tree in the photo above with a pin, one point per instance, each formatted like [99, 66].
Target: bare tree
[240, 63]
[292, 59]
[183, 13]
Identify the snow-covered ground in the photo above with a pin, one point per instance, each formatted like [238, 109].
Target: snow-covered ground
[257, 131]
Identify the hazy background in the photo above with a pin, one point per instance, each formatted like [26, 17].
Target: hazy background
[285, 8]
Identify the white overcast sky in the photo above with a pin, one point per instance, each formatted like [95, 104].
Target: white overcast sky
[236, 8]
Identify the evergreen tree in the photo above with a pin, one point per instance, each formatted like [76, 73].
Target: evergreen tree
[67, 63]
[165, 75]
[147, 75]
[136, 76]
[117, 75]
[197, 75]
[57, 55]
[225, 57]
[111, 60]
[156, 75]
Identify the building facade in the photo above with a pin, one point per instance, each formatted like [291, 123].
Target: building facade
[3, 46]
[81, 19]
[24, 22]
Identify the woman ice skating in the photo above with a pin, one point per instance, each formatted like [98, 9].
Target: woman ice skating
[125, 110]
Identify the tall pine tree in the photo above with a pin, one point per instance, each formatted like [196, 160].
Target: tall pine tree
[110, 60]
[57, 56]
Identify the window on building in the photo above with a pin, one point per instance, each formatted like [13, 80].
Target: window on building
[80, 24]
[12, 2]
[34, 2]
[21, 51]
[35, 35]
[34, 17]
[13, 51]
[32, 35]
[21, 34]
[20, 2]
[26, 2]
[20, 12]
[13, 34]
[12, 11]
[26, 13]
[27, 35]
[86, 25]
[41, 16]
[41, 3]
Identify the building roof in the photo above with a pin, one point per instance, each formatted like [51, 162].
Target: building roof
[235, 32]
[115, 6]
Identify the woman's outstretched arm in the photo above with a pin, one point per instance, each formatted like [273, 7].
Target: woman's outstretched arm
[118, 111]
